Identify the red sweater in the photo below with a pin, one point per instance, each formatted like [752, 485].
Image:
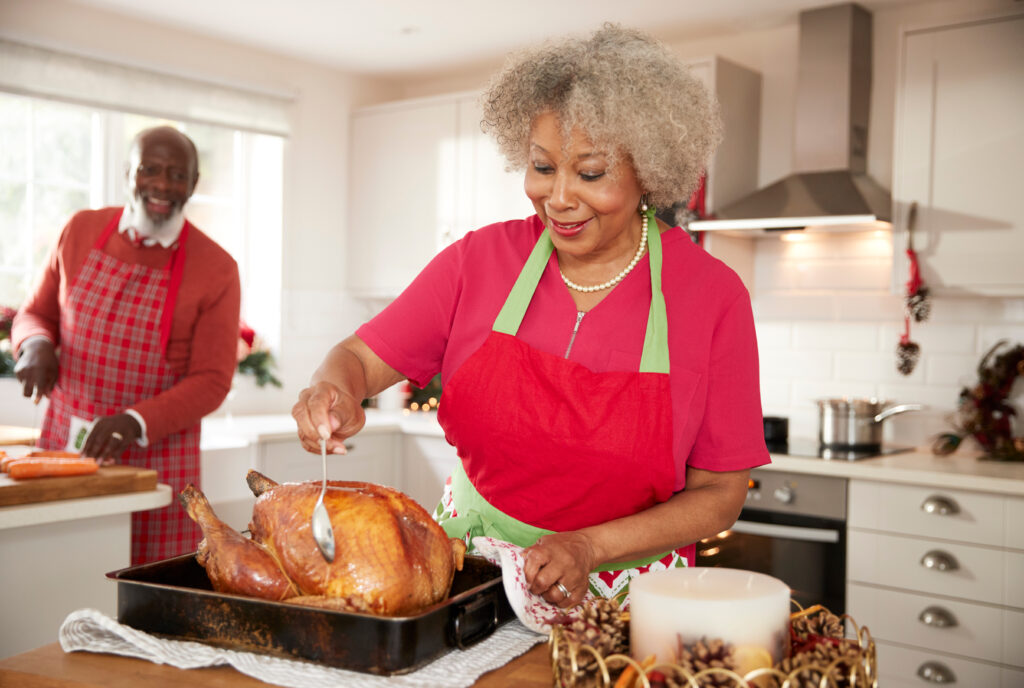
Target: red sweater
[204, 331]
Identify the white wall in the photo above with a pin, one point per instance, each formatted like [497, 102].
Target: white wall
[317, 312]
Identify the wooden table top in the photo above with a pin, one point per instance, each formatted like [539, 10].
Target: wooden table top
[50, 667]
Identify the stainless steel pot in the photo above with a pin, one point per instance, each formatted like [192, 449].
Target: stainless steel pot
[855, 424]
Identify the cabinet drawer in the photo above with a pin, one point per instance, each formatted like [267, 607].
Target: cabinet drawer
[370, 458]
[1014, 596]
[1014, 517]
[975, 630]
[974, 517]
[898, 668]
[896, 561]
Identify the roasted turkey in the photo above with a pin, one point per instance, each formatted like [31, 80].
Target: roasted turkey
[391, 558]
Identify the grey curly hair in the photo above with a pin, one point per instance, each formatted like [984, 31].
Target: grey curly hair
[628, 93]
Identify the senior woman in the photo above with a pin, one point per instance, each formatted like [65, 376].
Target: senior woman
[599, 370]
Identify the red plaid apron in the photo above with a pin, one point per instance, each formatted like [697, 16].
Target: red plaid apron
[113, 333]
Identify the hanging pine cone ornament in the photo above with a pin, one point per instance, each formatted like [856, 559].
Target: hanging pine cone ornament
[600, 625]
[907, 355]
[919, 304]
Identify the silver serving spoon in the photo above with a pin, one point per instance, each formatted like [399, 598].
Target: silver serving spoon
[322, 532]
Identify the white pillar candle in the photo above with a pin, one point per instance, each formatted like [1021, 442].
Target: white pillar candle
[745, 609]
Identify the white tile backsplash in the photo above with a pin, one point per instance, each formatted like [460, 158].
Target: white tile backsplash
[989, 335]
[950, 369]
[828, 325]
[868, 274]
[794, 305]
[876, 305]
[833, 336]
[782, 364]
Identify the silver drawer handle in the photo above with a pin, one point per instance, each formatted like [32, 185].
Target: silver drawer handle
[942, 506]
[937, 617]
[939, 561]
[936, 672]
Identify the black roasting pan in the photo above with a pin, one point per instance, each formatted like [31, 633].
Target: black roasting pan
[173, 599]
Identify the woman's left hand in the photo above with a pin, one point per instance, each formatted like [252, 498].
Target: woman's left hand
[564, 559]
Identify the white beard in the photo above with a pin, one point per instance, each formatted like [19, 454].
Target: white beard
[167, 230]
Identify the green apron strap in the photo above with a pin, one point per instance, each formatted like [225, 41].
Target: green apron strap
[478, 517]
[654, 358]
[655, 354]
[512, 313]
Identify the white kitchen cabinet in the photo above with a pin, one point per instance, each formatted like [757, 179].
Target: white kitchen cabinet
[935, 575]
[422, 175]
[960, 156]
[371, 458]
[427, 461]
[734, 167]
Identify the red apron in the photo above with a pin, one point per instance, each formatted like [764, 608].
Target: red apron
[552, 444]
[114, 329]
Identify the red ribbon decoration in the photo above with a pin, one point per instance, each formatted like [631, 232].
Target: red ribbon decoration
[914, 283]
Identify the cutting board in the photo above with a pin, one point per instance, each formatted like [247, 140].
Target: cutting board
[106, 481]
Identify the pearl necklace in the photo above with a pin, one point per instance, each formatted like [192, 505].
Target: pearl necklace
[619, 277]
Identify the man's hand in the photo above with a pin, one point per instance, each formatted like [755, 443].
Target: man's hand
[37, 367]
[110, 436]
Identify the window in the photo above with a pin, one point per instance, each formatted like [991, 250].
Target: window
[57, 158]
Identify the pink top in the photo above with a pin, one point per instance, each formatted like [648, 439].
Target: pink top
[449, 309]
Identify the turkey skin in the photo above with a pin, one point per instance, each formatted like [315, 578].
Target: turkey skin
[391, 558]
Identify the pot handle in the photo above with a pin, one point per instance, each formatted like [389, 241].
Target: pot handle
[893, 410]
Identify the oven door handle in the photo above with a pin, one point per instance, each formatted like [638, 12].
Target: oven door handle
[788, 532]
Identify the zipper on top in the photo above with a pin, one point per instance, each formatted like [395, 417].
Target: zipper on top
[575, 329]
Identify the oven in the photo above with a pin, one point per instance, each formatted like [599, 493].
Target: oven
[792, 527]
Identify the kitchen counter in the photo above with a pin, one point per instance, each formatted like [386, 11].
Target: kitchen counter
[63, 510]
[54, 557]
[51, 667]
[962, 470]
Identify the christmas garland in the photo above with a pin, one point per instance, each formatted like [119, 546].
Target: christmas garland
[985, 412]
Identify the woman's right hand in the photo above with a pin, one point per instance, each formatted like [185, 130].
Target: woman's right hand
[323, 409]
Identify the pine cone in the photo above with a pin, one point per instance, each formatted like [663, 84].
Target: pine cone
[919, 304]
[823, 623]
[817, 660]
[705, 654]
[600, 625]
[906, 357]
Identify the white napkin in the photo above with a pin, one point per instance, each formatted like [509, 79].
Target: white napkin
[534, 612]
[93, 631]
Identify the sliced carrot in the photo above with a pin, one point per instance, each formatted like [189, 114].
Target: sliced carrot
[49, 467]
[5, 461]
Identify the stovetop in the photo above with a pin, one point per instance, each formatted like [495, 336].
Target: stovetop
[812, 449]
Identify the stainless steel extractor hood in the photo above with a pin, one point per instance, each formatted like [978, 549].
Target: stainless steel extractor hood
[829, 188]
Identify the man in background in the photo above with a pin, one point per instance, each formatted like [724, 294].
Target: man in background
[132, 331]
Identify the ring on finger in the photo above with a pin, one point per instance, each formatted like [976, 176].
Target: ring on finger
[564, 590]
[117, 436]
